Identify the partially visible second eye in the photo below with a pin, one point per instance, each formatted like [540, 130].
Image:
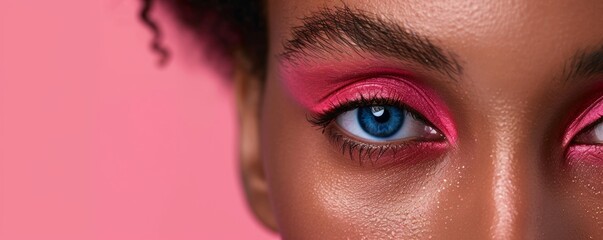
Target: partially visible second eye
[385, 123]
[592, 135]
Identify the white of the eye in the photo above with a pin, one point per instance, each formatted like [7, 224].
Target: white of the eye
[431, 130]
[598, 132]
[411, 127]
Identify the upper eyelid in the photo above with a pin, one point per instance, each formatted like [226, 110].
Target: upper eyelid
[375, 151]
[588, 127]
[593, 124]
[324, 118]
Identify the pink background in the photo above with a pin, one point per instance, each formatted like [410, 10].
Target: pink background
[96, 142]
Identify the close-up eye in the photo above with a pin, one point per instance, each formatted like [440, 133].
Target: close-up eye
[385, 123]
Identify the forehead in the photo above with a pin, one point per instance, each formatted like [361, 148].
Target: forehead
[508, 39]
[469, 21]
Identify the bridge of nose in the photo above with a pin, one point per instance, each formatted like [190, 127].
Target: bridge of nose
[506, 179]
[515, 181]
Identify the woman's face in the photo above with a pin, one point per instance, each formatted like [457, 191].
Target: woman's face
[434, 119]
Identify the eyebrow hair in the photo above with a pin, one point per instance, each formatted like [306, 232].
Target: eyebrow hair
[329, 29]
[585, 63]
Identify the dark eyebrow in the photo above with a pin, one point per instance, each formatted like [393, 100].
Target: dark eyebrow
[584, 64]
[329, 29]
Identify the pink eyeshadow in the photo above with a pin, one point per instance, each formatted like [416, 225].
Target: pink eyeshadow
[587, 117]
[408, 155]
[318, 87]
[590, 154]
[584, 153]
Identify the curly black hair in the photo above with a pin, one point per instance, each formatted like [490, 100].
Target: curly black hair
[235, 26]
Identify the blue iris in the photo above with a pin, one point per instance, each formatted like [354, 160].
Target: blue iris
[380, 121]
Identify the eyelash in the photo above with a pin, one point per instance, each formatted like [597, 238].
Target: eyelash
[323, 120]
[363, 150]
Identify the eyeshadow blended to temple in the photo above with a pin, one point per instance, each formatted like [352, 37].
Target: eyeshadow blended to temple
[327, 29]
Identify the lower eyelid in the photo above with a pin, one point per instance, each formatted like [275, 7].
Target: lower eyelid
[385, 154]
[590, 154]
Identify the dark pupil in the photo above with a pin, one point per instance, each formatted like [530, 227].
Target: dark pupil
[380, 113]
[380, 121]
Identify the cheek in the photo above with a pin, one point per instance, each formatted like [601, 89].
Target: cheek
[295, 164]
[580, 193]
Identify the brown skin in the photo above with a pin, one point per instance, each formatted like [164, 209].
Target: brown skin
[505, 179]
